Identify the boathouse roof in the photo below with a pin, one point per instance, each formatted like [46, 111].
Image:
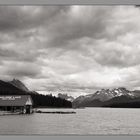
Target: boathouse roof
[15, 100]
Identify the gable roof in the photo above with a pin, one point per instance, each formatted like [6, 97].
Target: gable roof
[15, 100]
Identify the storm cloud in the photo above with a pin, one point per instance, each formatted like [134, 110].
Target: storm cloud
[70, 48]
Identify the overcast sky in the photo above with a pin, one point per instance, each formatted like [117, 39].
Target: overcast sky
[74, 48]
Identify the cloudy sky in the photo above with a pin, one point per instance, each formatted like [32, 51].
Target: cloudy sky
[72, 48]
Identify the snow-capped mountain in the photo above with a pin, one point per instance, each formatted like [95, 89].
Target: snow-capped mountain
[66, 97]
[103, 95]
[107, 94]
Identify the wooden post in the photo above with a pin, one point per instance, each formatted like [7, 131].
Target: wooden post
[24, 110]
[21, 109]
[5, 108]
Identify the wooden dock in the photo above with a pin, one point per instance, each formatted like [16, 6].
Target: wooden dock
[56, 112]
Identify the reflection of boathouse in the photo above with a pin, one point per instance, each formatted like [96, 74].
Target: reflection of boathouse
[16, 104]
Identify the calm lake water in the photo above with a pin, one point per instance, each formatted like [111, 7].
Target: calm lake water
[94, 121]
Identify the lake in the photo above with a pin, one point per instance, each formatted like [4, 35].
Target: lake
[88, 121]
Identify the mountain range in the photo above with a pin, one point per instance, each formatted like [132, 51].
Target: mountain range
[117, 97]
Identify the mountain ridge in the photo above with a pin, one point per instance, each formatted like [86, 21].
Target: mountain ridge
[17, 83]
[106, 97]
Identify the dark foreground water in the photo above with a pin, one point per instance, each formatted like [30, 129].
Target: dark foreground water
[95, 121]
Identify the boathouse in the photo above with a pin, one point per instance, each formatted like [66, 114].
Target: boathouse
[16, 104]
